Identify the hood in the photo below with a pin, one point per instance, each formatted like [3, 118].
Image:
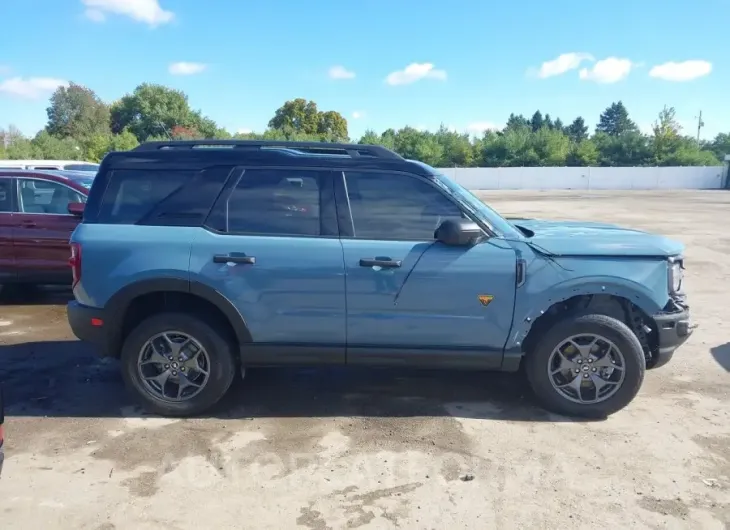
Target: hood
[582, 238]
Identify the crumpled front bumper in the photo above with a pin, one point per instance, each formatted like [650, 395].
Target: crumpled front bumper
[673, 327]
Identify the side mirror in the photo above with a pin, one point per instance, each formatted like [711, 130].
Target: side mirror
[76, 208]
[461, 233]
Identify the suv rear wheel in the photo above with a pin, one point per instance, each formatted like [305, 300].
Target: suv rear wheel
[586, 365]
[177, 364]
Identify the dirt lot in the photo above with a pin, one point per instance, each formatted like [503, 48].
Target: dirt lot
[337, 448]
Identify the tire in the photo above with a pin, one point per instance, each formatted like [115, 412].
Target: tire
[221, 363]
[537, 366]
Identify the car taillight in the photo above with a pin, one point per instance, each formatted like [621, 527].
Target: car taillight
[75, 262]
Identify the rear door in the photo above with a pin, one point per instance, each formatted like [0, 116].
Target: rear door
[272, 248]
[42, 229]
[7, 253]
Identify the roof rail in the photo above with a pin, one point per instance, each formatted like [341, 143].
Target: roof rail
[315, 148]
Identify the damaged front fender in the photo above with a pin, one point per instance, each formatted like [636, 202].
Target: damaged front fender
[551, 281]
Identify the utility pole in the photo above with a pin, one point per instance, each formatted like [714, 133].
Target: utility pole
[700, 124]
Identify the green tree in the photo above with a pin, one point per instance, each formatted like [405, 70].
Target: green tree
[558, 125]
[332, 125]
[97, 146]
[299, 117]
[298, 114]
[52, 148]
[551, 147]
[584, 153]
[720, 145]
[16, 145]
[666, 137]
[688, 153]
[548, 122]
[537, 122]
[578, 130]
[517, 122]
[154, 110]
[370, 137]
[77, 112]
[418, 145]
[615, 121]
[631, 148]
[458, 150]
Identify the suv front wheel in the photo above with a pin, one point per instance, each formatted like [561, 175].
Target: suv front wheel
[587, 365]
[177, 364]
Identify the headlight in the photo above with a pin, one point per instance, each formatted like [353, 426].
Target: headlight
[676, 274]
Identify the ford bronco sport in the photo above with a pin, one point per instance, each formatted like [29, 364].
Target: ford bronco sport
[197, 259]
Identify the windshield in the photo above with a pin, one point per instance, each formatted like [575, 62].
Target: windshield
[82, 167]
[481, 210]
[86, 182]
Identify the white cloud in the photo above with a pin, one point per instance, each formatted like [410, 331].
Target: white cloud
[183, 68]
[358, 114]
[414, 72]
[340, 72]
[563, 63]
[244, 131]
[684, 71]
[609, 70]
[479, 127]
[148, 11]
[31, 88]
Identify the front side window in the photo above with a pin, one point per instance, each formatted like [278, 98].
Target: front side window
[45, 196]
[396, 206]
[272, 202]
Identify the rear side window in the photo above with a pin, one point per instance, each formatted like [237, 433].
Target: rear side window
[273, 202]
[161, 197]
[6, 203]
[131, 195]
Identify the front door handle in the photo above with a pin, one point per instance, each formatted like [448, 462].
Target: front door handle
[225, 258]
[28, 224]
[380, 262]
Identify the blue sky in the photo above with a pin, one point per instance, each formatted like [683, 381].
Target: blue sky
[472, 62]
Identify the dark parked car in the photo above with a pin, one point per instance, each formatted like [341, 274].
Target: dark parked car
[36, 222]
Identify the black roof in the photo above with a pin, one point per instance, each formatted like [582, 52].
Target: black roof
[200, 153]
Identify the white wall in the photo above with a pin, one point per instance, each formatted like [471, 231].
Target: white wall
[587, 178]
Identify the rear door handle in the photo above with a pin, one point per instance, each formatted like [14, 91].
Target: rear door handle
[380, 262]
[28, 224]
[225, 258]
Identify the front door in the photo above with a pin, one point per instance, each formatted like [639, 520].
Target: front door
[272, 249]
[42, 229]
[7, 254]
[411, 299]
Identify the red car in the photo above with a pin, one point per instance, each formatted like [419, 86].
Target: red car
[38, 211]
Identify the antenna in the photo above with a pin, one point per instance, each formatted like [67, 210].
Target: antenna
[164, 129]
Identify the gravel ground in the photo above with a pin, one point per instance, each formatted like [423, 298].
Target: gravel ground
[339, 448]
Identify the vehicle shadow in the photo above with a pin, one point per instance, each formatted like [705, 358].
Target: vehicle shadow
[721, 354]
[12, 295]
[66, 379]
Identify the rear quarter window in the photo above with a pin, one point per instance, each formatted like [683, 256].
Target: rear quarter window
[160, 197]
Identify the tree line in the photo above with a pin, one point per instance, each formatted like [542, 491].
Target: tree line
[83, 127]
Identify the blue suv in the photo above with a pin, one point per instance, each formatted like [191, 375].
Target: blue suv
[198, 259]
